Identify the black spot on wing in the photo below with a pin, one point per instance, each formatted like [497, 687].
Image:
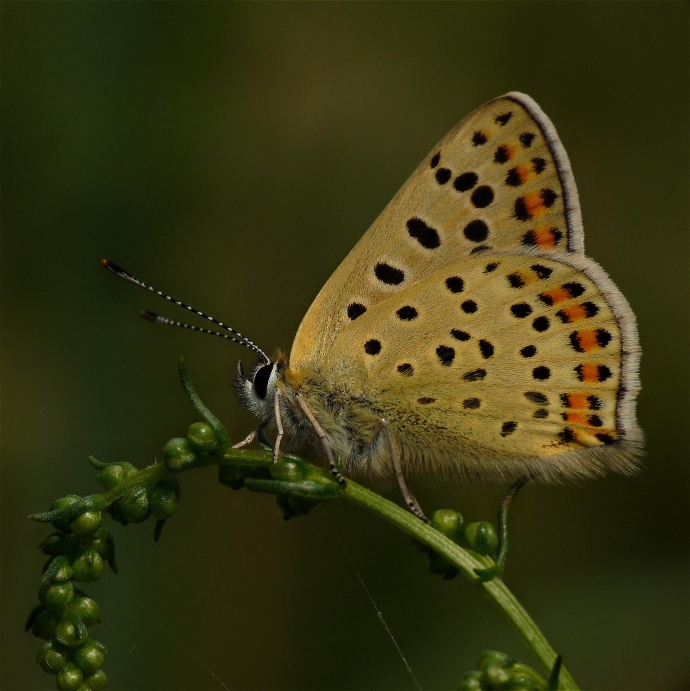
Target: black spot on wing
[443, 175]
[474, 375]
[407, 313]
[502, 154]
[482, 197]
[541, 373]
[465, 182]
[526, 139]
[372, 347]
[455, 284]
[389, 274]
[508, 428]
[425, 235]
[536, 397]
[478, 138]
[540, 324]
[521, 310]
[355, 309]
[476, 231]
[486, 348]
[446, 355]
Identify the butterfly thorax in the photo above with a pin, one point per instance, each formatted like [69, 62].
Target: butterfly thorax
[352, 423]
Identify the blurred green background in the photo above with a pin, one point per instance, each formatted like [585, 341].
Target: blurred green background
[232, 154]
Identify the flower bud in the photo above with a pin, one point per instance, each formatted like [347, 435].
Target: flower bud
[522, 682]
[112, 475]
[59, 570]
[163, 500]
[86, 609]
[441, 566]
[178, 455]
[88, 566]
[481, 537]
[102, 547]
[71, 632]
[63, 524]
[52, 657]
[521, 676]
[472, 681]
[97, 681]
[202, 437]
[69, 678]
[494, 657]
[134, 506]
[86, 523]
[496, 675]
[289, 470]
[88, 657]
[55, 596]
[53, 544]
[448, 522]
[114, 511]
[44, 624]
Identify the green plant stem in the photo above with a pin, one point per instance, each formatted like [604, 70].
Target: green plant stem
[462, 559]
[496, 590]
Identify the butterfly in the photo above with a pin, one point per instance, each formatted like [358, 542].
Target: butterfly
[466, 334]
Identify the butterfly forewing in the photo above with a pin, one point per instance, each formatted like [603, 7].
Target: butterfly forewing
[498, 181]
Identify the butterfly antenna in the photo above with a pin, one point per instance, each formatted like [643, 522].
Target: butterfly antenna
[122, 273]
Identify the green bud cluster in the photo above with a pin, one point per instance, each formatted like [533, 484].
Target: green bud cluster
[78, 551]
[298, 486]
[66, 612]
[137, 504]
[480, 537]
[499, 671]
[183, 453]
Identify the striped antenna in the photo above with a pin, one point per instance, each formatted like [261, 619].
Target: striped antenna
[122, 273]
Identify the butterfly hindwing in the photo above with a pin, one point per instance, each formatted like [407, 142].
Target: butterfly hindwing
[505, 361]
[498, 181]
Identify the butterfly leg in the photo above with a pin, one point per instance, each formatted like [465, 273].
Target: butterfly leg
[497, 569]
[250, 437]
[322, 439]
[279, 425]
[409, 498]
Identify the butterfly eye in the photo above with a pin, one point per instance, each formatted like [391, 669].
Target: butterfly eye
[261, 379]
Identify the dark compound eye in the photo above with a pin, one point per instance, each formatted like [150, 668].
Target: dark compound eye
[261, 379]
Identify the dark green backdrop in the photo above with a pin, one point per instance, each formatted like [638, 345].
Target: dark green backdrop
[233, 154]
